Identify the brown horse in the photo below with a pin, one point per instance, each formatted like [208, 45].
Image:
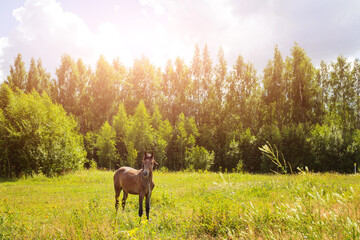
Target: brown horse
[138, 182]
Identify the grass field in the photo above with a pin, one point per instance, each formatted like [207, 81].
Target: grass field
[185, 205]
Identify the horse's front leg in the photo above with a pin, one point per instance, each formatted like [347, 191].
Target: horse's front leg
[147, 205]
[141, 198]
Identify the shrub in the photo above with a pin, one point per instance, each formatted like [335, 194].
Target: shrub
[294, 145]
[90, 148]
[37, 136]
[199, 158]
[105, 144]
[353, 151]
[327, 147]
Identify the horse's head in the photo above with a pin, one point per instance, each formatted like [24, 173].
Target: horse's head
[148, 164]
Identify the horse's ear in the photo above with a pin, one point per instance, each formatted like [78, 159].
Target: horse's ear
[152, 155]
[145, 155]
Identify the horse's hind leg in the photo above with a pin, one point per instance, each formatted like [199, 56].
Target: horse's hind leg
[124, 199]
[117, 195]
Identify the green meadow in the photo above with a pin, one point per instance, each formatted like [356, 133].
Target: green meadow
[184, 205]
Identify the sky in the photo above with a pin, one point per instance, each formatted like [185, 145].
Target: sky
[165, 29]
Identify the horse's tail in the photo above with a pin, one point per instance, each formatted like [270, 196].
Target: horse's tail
[117, 188]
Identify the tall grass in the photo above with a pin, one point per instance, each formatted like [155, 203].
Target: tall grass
[184, 206]
[273, 154]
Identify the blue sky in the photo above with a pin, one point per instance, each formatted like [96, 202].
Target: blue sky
[165, 29]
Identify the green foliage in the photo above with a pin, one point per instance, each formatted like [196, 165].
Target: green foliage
[185, 133]
[163, 133]
[66, 86]
[121, 126]
[90, 148]
[276, 91]
[103, 93]
[5, 96]
[141, 82]
[332, 148]
[120, 123]
[44, 78]
[231, 110]
[301, 74]
[38, 136]
[327, 145]
[18, 75]
[132, 154]
[4, 160]
[295, 145]
[239, 150]
[342, 98]
[33, 80]
[105, 143]
[233, 154]
[353, 149]
[141, 131]
[199, 158]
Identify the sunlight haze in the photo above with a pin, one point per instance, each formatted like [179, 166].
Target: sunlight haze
[163, 30]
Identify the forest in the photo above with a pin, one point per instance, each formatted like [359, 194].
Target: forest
[202, 116]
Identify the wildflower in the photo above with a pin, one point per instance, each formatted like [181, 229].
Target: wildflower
[132, 232]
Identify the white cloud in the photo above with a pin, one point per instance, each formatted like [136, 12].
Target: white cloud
[110, 44]
[3, 45]
[216, 23]
[324, 28]
[46, 31]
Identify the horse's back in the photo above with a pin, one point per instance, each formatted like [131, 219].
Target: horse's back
[126, 178]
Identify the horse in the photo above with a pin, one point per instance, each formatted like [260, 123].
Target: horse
[137, 182]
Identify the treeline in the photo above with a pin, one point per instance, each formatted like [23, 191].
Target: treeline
[208, 115]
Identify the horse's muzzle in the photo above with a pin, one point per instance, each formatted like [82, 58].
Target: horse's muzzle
[145, 173]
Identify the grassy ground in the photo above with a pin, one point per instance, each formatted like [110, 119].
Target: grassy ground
[184, 206]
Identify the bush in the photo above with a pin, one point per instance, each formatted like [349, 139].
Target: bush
[199, 158]
[240, 151]
[105, 144]
[90, 148]
[294, 145]
[37, 137]
[327, 148]
[353, 151]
